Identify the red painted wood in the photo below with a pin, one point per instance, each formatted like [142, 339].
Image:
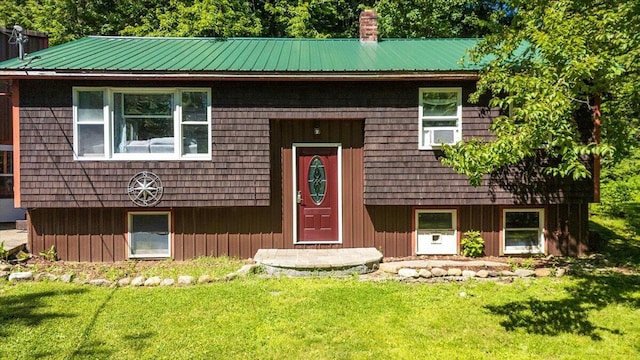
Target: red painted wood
[318, 221]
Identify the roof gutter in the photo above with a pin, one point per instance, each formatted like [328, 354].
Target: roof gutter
[244, 76]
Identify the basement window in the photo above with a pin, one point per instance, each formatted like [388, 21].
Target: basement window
[523, 231]
[142, 124]
[149, 234]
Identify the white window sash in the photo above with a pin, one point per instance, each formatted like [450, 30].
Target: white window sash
[109, 125]
[424, 131]
[516, 249]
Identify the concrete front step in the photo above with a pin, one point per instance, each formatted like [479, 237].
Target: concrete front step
[307, 262]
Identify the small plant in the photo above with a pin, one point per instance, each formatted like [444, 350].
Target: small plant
[472, 244]
[51, 254]
[527, 264]
[4, 254]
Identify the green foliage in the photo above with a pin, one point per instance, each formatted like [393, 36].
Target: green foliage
[212, 18]
[526, 263]
[66, 20]
[546, 67]
[620, 186]
[4, 253]
[51, 254]
[472, 244]
[439, 18]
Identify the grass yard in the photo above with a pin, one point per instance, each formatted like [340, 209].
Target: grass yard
[581, 317]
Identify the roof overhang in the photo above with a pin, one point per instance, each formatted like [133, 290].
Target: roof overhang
[242, 76]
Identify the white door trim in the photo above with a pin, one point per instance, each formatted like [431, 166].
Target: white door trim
[294, 190]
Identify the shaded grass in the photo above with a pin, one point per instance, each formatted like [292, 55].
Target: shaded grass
[618, 239]
[588, 317]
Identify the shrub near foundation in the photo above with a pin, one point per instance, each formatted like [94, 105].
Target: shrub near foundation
[472, 244]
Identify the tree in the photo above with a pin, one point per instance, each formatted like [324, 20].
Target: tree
[554, 61]
[439, 18]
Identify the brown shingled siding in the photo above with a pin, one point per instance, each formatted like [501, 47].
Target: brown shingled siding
[238, 175]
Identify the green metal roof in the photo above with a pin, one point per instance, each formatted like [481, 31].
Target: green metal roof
[246, 55]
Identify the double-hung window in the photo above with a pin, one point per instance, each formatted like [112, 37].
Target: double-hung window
[440, 113]
[523, 231]
[142, 123]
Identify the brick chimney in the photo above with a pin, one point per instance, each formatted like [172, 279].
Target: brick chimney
[369, 26]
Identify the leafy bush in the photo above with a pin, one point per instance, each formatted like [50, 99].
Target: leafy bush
[472, 244]
[615, 195]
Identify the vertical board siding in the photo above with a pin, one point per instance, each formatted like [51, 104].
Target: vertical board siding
[241, 232]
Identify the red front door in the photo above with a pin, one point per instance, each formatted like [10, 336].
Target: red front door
[317, 194]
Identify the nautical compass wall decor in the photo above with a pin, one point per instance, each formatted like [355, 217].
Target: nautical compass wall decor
[145, 189]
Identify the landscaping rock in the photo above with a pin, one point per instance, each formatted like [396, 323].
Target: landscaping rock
[468, 273]
[124, 282]
[21, 276]
[561, 272]
[100, 282]
[493, 273]
[153, 281]
[542, 272]
[483, 274]
[185, 280]
[438, 272]
[204, 279]
[524, 273]
[247, 269]
[139, 281]
[66, 278]
[45, 276]
[454, 272]
[4, 275]
[5, 267]
[405, 272]
[231, 276]
[507, 273]
[391, 268]
[424, 273]
[80, 281]
[167, 282]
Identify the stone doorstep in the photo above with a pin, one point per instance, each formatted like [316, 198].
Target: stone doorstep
[318, 259]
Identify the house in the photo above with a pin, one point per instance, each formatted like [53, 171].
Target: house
[36, 41]
[184, 147]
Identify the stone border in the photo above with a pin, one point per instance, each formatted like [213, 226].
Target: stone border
[140, 281]
[456, 274]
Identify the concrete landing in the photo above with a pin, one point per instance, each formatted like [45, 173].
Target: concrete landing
[14, 240]
[329, 262]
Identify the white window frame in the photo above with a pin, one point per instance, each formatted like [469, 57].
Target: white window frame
[3, 174]
[109, 120]
[540, 249]
[130, 216]
[430, 144]
[454, 228]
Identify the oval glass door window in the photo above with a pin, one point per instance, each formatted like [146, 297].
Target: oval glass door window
[317, 180]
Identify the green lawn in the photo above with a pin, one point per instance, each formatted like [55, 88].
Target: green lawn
[581, 317]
